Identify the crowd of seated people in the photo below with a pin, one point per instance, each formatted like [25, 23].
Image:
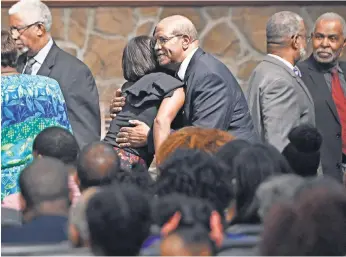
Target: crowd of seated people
[217, 190]
[201, 204]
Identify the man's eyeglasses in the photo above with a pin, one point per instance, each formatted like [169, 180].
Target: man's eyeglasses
[164, 40]
[20, 30]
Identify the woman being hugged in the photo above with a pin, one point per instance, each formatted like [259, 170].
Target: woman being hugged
[152, 97]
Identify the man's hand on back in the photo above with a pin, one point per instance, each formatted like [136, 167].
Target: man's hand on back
[133, 136]
[117, 103]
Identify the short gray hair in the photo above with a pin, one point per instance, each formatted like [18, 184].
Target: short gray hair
[281, 26]
[332, 16]
[77, 214]
[32, 11]
[277, 189]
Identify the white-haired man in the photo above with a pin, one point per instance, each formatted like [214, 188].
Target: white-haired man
[30, 23]
[278, 99]
[325, 77]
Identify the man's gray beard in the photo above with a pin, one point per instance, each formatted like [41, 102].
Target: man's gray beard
[302, 53]
[333, 59]
[23, 50]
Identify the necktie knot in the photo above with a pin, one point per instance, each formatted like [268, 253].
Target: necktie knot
[30, 62]
[297, 71]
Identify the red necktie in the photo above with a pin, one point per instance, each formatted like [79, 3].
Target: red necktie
[340, 103]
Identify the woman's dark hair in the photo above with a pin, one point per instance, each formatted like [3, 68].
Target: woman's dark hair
[250, 168]
[196, 173]
[138, 58]
[138, 176]
[119, 220]
[8, 50]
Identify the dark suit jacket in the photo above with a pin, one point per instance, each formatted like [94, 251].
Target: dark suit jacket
[327, 119]
[42, 229]
[214, 98]
[79, 89]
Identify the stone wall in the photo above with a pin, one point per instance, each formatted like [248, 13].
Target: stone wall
[236, 35]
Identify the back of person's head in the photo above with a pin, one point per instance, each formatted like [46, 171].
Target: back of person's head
[205, 139]
[138, 58]
[314, 224]
[193, 210]
[44, 180]
[196, 173]
[176, 211]
[8, 50]
[97, 164]
[58, 143]
[303, 151]
[119, 220]
[276, 189]
[78, 224]
[281, 26]
[194, 241]
[230, 150]
[250, 168]
[138, 176]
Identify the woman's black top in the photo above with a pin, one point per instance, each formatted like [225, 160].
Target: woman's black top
[143, 99]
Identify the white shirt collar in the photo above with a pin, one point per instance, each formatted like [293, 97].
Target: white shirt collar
[42, 54]
[185, 64]
[283, 60]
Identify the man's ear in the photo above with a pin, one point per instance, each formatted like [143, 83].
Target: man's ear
[294, 43]
[22, 202]
[216, 233]
[73, 235]
[186, 42]
[41, 30]
[76, 179]
[171, 224]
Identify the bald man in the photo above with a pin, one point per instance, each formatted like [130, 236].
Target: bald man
[97, 165]
[214, 98]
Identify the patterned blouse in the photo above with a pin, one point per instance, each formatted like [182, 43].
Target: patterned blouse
[29, 104]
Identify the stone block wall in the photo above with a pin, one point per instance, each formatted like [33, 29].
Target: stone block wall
[235, 34]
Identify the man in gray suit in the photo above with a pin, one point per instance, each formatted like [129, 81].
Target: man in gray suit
[278, 99]
[30, 26]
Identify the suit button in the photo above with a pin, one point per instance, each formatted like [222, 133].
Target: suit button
[338, 135]
[338, 165]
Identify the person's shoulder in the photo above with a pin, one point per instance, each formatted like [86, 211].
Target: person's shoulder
[44, 79]
[70, 61]
[342, 65]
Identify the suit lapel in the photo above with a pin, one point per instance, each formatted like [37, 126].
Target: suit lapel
[318, 79]
[49, 62]
[271, 59]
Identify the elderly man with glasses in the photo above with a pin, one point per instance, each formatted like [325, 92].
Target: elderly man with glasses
[214, 98]
[325, 76]
[30, 23]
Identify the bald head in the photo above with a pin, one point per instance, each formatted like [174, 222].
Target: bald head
[176, 38]
[98, 164]
[179, 24]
